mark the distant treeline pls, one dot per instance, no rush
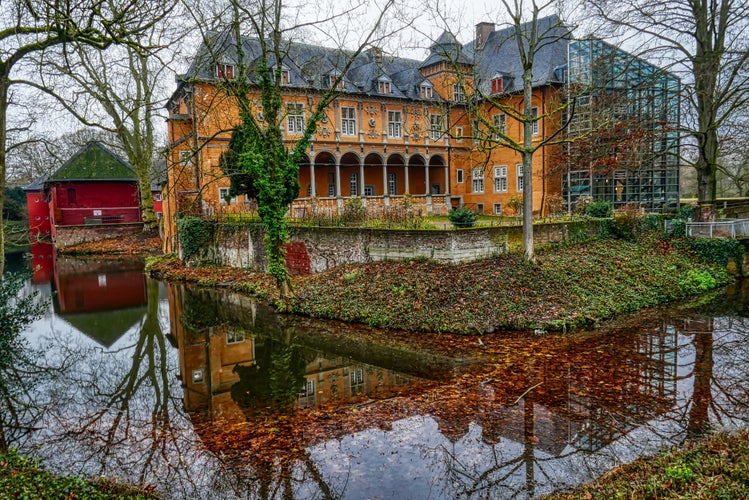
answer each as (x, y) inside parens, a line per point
(14, 207)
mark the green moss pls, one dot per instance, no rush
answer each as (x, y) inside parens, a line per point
(94, 162)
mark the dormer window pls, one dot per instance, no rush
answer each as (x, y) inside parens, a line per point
(497, 84)
(330, 82)
(383, 86)
(427, 92)
(225, 71)
(285, 77)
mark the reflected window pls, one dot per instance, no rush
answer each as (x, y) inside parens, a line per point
(234, 337)
(197, 376)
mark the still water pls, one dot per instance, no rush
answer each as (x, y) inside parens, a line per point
(205, 394)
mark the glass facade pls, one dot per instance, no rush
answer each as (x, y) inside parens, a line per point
(626, 116)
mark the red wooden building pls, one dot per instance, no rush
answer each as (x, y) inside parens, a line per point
(94, 187)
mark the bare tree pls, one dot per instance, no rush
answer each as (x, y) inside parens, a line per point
(120, 91)
(705, 43)
(31, 28)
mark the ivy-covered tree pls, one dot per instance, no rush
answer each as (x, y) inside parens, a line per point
(259, 161)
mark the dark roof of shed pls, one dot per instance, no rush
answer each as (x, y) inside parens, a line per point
(94, 161)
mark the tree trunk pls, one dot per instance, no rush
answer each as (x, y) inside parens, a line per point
(3, 170)
(528, 164)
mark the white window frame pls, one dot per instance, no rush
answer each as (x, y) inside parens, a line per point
(369, 190)
(436, 126)
(384, 87)
(458, 134)
(519, 168)
(477, 180)
(500, 179)
(427, 91)
(233, 337)
(500, 125)
(223, 192)
(348, 121)
(459, 176)
(497, 84)
(534, 113)
(354, 184)
(392, 184)
(395, 124)
(295, 119)
(497, 209)
(458, 94)
(285, 77)
(225, 71)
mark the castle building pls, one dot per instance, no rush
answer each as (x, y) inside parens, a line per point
(433, 133)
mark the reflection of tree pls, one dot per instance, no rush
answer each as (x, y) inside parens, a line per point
(17, 371)
(275, 379)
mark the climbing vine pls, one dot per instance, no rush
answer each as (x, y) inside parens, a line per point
(194, 234)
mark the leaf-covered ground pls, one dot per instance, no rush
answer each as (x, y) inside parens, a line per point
(136, 243)
(568, 286)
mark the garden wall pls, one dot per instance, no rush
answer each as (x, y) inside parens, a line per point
(72, 235)
(315, 249)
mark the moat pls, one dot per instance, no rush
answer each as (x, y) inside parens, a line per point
(203, 393)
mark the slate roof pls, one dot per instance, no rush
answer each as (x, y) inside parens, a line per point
(500, 54)
(309, 65)
(94, 161)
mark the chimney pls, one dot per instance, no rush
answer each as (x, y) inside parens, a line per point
(483, 30)
(376, 53)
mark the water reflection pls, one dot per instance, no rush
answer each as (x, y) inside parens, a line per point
(208, 394)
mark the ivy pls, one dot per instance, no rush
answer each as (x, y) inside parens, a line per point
(719, 251)
(194, 234)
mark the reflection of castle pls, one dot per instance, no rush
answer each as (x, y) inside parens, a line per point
(231, 362)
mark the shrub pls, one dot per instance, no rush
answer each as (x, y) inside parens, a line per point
(354, 211)
(598, 209)
(698, 281)
(581, 203)
(628, 223)
(514, 204)
(462, 217)
(554, 204)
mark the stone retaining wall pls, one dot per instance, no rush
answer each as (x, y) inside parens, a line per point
(72, 235)
(315, 249)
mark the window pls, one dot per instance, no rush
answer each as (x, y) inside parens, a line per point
(225, 71)
(427, 92)
(223, 196)
(156, 196)
(497, 84)
(369, 190)
(354, 184)
(500, 125)
(458, 134)
(534, 113)
(459, 175)
(285, 77)
(392, 184)
(348, 121)
(436, 124)
(500, 179)
(234, 337)
(308, 389)
(356, 376)
(295, 118)
(185, 157)
(331, 185)
(383, 87)
(497, 209)
(458, 94)
(480, 208)
(477, 179)
(197, 376)
(330, 82)
(520, 177)
(395, 124)
(435, 189)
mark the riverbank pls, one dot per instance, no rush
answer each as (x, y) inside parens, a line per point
(568, 286)
(716, 467)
